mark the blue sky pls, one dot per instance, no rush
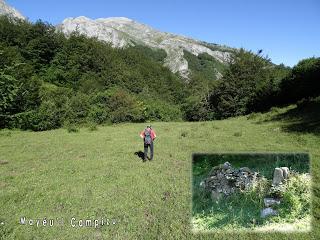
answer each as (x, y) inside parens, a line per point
(287, 31)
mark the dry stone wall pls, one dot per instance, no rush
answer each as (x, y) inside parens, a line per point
(224, 180)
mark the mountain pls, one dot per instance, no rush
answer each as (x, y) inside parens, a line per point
(122, 32)
(5, 9)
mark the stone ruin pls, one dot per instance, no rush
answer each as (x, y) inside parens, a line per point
(224, 180)
(280, 175)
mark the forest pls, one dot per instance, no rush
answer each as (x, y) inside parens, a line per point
(48, 81)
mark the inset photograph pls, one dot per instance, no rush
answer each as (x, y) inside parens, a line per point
(255, 192)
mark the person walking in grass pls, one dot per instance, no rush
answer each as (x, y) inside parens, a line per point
(148, 135)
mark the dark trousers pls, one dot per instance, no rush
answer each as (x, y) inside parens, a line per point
(146, 150)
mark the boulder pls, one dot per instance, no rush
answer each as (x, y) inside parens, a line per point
(285, 172)
(268, 212)
(226, 165)
(268, 202)
(277, 176)
(245, 169)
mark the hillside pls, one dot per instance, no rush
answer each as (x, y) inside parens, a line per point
(42, 67)
(122, 32)
(97, 174)
(50, 78)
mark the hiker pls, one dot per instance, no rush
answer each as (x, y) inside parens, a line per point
(148, 135)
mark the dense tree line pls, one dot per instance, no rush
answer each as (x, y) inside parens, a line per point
(303, 82)
(249, 84)
(252, 83)
(48, 80)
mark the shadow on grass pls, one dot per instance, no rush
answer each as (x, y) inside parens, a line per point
(140, 155)
(305, 118)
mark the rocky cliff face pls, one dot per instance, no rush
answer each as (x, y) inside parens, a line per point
(5, 9)
(121, 32)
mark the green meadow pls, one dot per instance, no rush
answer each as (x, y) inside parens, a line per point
(94, 174)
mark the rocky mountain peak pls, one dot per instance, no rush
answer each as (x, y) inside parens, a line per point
(5, 9)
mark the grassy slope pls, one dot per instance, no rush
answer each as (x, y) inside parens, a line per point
(96, 174)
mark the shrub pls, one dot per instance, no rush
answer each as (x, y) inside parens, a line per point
(237, 134)
(48, 116)
(24, 120)
(77, 108)
(303, 82)
(254, 116)
(249, 84)
(196, 109)
(184, 134)
(125, 107)
(97, 114)
(93, 127)
(9, 88)
(297, 197)
(162, 111)
(72, 128)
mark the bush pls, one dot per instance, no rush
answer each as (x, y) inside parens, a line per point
(196, 109)
(157, 110)
(77, 108)
(48, 117)
(249, 84)
(93, 127)
(296, 200)
(303, 82)
(125, 107)
(9, 88)
(24, 120)
(254, 116)
(99, 111)
(72, 128)
(97, 114)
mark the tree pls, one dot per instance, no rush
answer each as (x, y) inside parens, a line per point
(303, 82)
(247, 77)
(9, 88)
